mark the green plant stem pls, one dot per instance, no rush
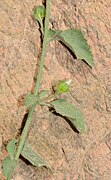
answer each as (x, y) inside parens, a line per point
(31, 110)
(43, 49)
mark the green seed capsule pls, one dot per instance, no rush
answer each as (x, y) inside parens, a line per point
(39, 13)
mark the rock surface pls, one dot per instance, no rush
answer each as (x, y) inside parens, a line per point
(71, 156)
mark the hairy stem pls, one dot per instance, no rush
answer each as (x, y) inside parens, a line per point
(43, 48)
(31, 110)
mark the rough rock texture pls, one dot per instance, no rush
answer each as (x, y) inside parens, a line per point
(70, 155)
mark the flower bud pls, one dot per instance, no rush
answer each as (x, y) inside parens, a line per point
(39, 13)
(62, 87)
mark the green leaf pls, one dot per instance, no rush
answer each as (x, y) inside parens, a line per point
(53, 35)
(8, 166)
(29, 100)
(43, 94)
(11, 147)
(32, 157)
(68, 110)
(75, 40)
